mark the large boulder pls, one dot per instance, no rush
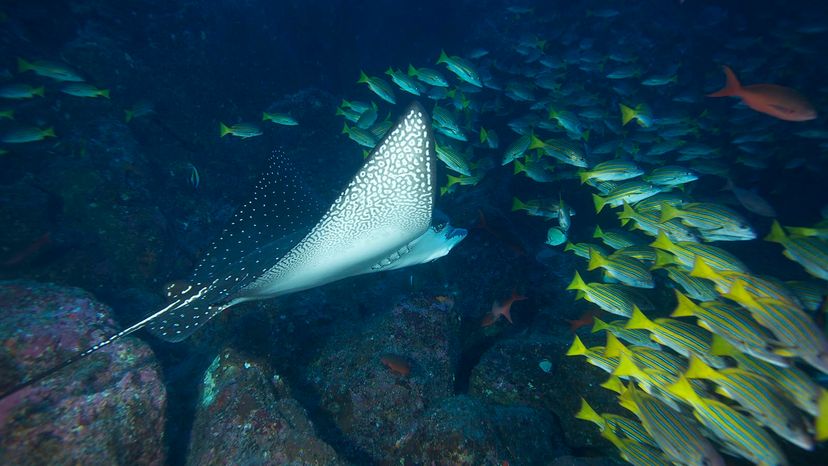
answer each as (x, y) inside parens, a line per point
(376, 381)
(464, 431)
(105, 409)
(246, 415)
(536, 372)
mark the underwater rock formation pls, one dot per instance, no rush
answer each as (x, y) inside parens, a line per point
(377, 383)
(464, 431)
(512, 373)
(246, 415)
(109, 409)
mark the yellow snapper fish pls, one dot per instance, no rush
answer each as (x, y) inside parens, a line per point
(140, 109)
(279, 118)
(797, 385)
(615, 299)
(84, 90)
(628, 427)
(461, 67)
(27, 134)
(54, 70)
(634, 452)
(681, 337)
(241, 130)
(677, 435)
(809, 252)
(792, 326)
(760, 397)
(734, 324)
(593, 355)
(20, 91)
(379, 87)
(739, 432)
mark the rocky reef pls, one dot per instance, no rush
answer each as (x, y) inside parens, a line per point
(107, 409)
(247, 415)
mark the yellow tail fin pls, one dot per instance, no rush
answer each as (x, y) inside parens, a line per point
(628, 396)
(519, 167)
(822, 417)
(599, 203)
(777, 234)
(443, 57)
(614, 383)
(738, 292)
(639, 321)
(596, 259)
(224, 130)
(627, 368)
(663, 242)
(614, 347)
(586, 413)
(598, 324)
(686, 307)
(663, 259)
(682, 389)
(577, 283)
(697, 369)
(627, 114)
(517, 204)
(577, 348)
(668, 212)
(537, 143)
(627, 212)
(702, 270)
(23, 65)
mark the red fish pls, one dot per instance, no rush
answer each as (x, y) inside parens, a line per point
(587, 318)
(397, 364)
(30, 250)
(777, 101)
(501, 308)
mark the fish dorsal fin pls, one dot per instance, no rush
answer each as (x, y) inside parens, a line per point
(385, 206)
(257, 236)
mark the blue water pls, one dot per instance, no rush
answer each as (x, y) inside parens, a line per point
(112, 206)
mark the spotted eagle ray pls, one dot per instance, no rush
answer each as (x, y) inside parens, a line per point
(381, 221)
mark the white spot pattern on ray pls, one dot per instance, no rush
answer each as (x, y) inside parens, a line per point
(277, 208)
(386, 205)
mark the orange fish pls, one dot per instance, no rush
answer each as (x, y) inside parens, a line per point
(777, 101)
(31, 250)
(587, 318)
(503, 308)
(397, 364)
(488, 319)
(446, 300)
